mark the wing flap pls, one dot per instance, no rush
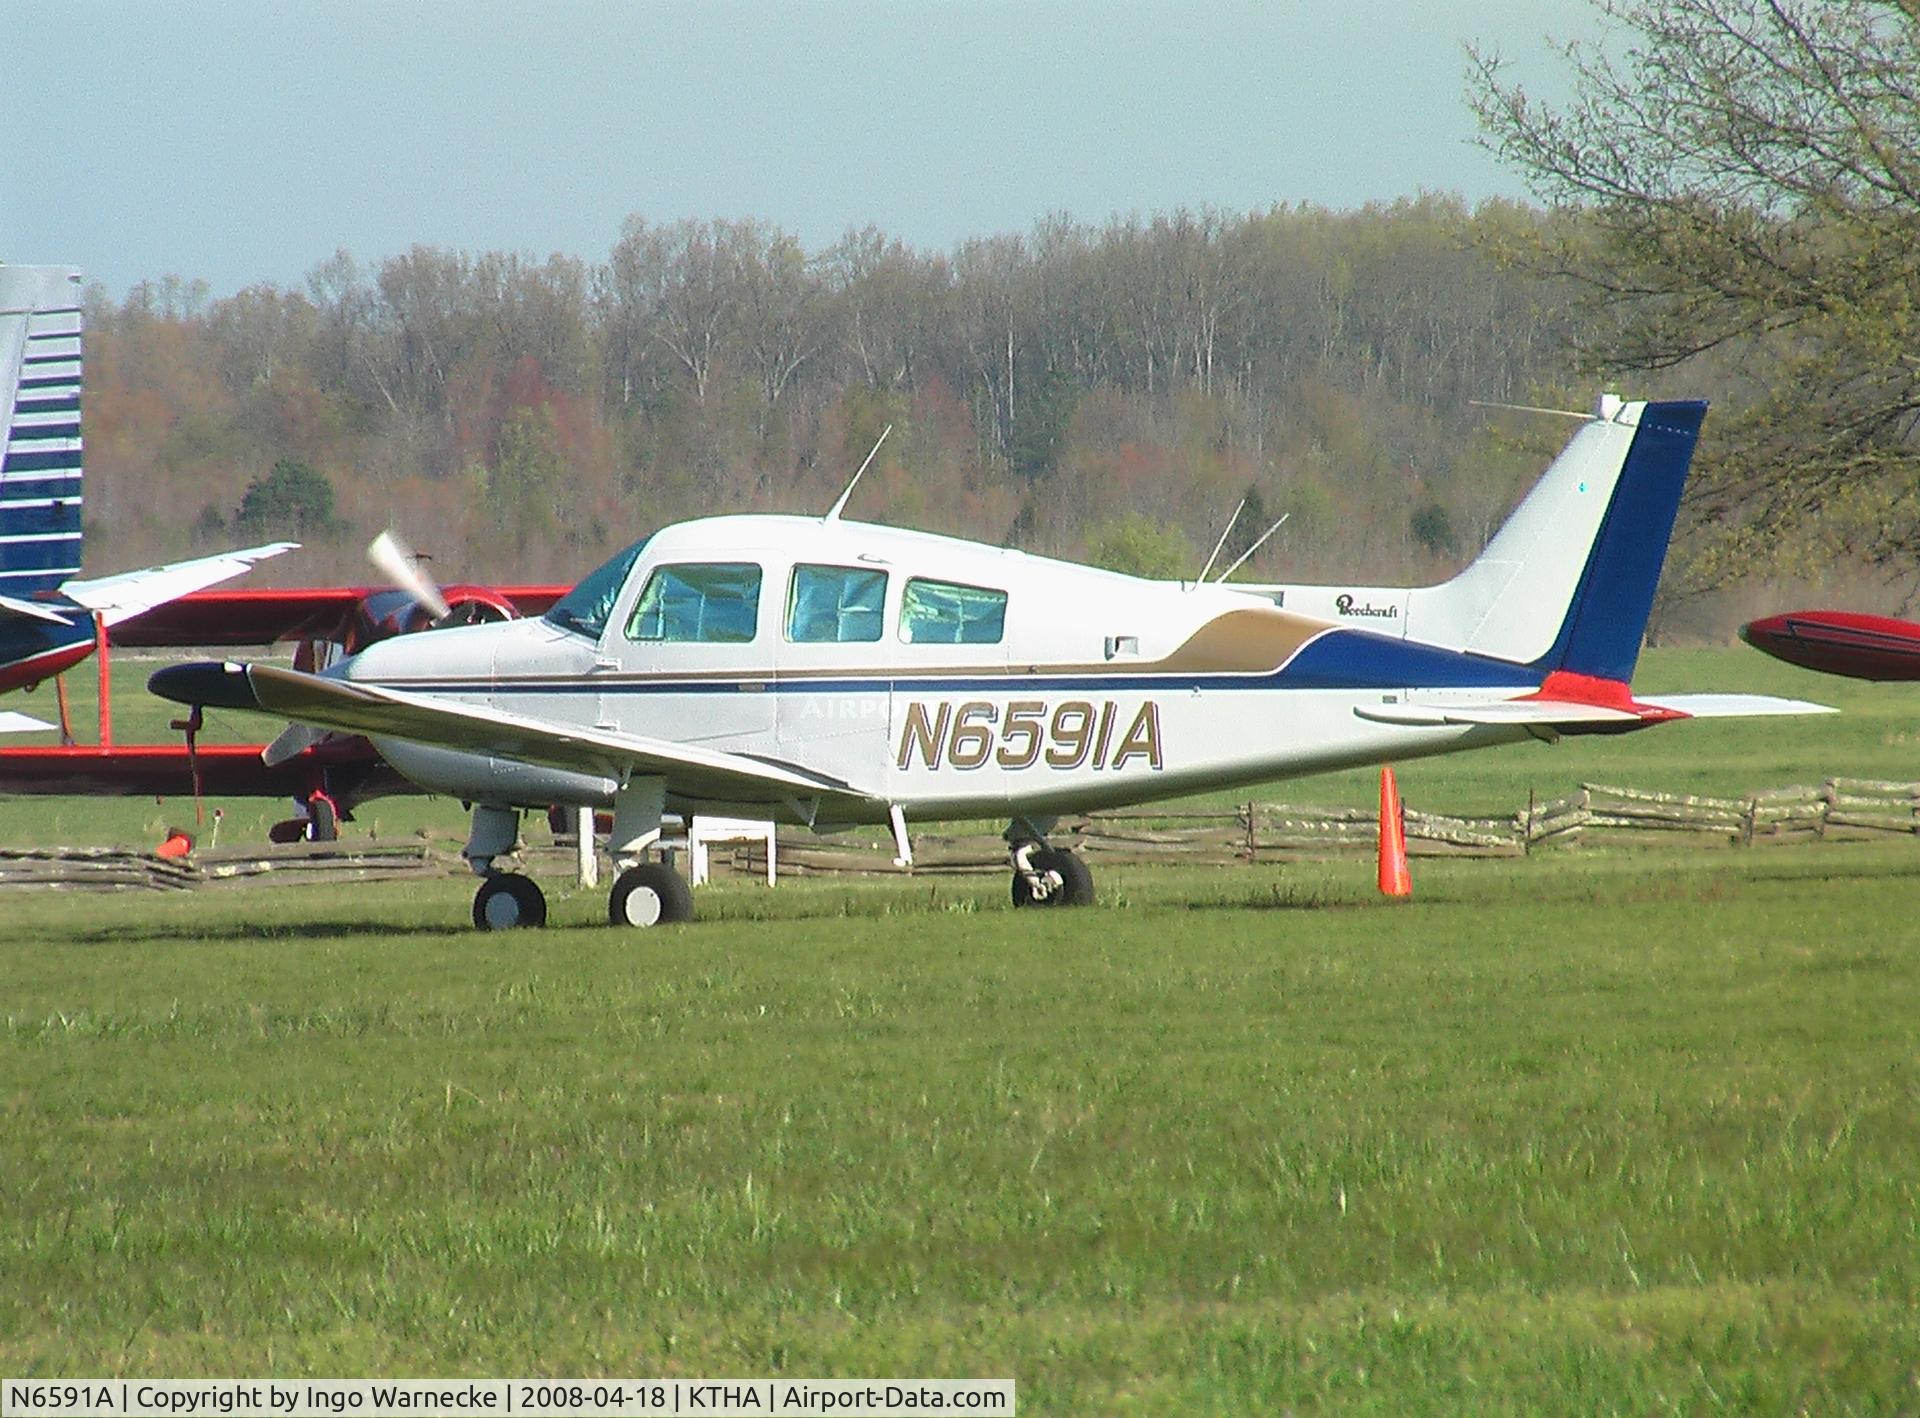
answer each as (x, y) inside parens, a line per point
(381, 712)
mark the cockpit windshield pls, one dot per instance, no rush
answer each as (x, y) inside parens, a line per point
(584, 609)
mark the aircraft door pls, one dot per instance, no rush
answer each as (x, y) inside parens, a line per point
(832, 653)
(692, 661)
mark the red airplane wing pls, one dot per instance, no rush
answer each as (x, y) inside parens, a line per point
(1873, 647)
(163, 770)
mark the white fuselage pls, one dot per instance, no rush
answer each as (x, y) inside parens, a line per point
(1093, 690)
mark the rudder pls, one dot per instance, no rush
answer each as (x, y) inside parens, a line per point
(40, 460)
(1607, 618)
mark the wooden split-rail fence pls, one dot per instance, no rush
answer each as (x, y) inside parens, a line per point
(114, 869)
(1250, 832)
(1261, 832)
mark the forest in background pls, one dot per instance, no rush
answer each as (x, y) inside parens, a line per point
(1103, 391)
(1729, 209)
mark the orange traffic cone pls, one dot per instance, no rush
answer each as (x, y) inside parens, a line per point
(1394, 880)
(178, 844)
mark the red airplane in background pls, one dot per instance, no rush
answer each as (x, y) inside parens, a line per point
(327, 774)
(1875, 647)
(51, 619)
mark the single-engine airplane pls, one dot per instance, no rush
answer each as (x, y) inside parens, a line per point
(1876, 647)
(819, 671)
(49, 619)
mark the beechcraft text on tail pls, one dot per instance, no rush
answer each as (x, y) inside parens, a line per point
(819, 671)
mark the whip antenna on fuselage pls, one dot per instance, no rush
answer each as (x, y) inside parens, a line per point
(1241, 559)
(1225, 532)
(833, 513)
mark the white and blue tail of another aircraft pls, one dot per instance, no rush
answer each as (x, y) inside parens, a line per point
(40, 462)
(47, 616)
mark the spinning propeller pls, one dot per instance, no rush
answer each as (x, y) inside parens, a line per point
(400, 565)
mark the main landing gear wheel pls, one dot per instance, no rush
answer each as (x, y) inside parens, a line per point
(1058, 878)
(651, 894)
(507, 901)
(323, 819)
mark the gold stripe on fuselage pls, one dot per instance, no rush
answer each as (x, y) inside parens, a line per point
(1254, 640)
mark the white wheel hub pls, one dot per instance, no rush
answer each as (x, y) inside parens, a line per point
(643, 906)
(502, 911)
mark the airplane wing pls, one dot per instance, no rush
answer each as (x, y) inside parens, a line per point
(264, 616)
(381, 712)
(1876, 647)
(133, 593)
(12, 722)
(144, 770)
(1576, 716)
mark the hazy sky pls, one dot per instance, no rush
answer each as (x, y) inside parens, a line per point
(241, 142)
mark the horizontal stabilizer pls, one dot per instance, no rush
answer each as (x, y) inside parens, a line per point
(1511, 713)
(1575, 715)
(32, 610)
(16, 723)
(1739, 706)
(132, 593)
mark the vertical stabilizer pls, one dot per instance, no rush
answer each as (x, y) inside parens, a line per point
(40, 417)
(1568, 581)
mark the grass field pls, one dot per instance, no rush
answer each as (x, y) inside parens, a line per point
(1603, 1132)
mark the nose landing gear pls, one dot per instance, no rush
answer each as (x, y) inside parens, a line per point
(507, 900)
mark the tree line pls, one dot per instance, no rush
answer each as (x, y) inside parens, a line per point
(1112, 389)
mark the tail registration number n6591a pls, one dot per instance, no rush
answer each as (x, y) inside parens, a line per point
(1029, 733)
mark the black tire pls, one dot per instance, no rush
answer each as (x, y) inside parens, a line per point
(1076, 880)
(651, 894)
(323, 822)
(508, 901)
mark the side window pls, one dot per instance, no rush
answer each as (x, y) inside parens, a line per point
(941, 613)
(835, 604)
(712, 603)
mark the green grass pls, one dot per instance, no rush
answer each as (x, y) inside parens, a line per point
(1617, 1133)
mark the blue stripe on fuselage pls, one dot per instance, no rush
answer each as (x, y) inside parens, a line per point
(1339, 659)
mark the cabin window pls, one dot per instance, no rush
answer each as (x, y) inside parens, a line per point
(587, 606)
(717, 602)
(942, 613)
(835, 604)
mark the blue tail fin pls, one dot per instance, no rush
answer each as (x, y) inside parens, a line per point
(1608, 616)
(40, 422)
